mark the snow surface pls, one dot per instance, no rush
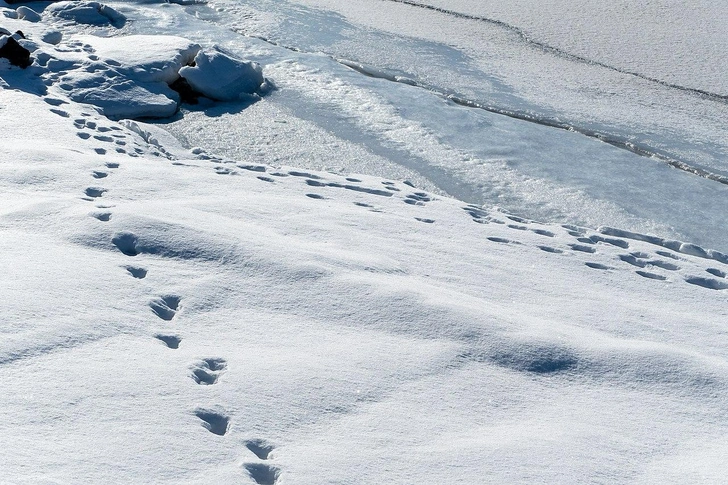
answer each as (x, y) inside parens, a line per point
(346, 280)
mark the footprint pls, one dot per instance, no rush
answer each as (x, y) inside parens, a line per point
(112, 165)
(426, 221)
(543, 232)
(362, 204)
(518, 228)
(315, 196)
(597, 266)
(549, 249)
(100, 151)
(262, 473)
(352, 179)
(97, 174)
(215, 421)
(54, 102)
(172, 341)
(668, 255)
(102, 216)
(83, 136)
(60, 112)
(709, 283)
(126, 242)
(95, 191)
(500, 240)
(138, 273)
(165, 307)
(583, 249)
(266, 179)
(716, 272)
(261, 448)
(207, 371)
(652, 276)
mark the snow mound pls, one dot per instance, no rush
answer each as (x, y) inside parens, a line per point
(27, 13)
(221, 77)
(90, 13)
(131, 75)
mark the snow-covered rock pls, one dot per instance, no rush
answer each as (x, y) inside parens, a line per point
(91, 13)
(130, 76)
(15, 53)
(27, 13)
(221, 77)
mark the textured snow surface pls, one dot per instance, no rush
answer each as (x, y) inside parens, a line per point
(343, 280)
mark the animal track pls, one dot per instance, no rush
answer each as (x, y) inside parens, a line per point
(165, 307)
(716, 272)
(102, 216)
(95, 192)
(315, 196)
(97, 174)
(426, 221)
(172, 341)
(215, 421)
(112, 165)
(597, 266)
(138, 273)
(583, 249)
(501, 240)
(207, 371)
(417, 198)
(549, 249)
(651, 276)
(262, 449)
(126, 242)
(262, 474)
(709, 283)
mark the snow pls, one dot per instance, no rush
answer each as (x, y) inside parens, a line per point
(221, 77)
(91, 13)
(346, 279)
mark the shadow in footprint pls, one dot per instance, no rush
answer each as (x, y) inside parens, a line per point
(262, 474)
(651, 276)
(95, 191)
(214, 421)
(207, 371)
(165, 307)
(126, 242)
(597, 266)
(171, 341)
(102, 216)
(262, 449)
(709, 283)
(138, 273)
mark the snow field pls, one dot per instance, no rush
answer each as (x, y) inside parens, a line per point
(179, 313)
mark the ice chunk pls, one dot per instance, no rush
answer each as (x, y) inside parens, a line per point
(91, 13)
(221, 77)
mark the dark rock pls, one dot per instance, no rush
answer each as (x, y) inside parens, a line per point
(15, 53)
(186, 92)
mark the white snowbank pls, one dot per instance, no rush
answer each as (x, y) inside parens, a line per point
(221, 77)
(91, 13)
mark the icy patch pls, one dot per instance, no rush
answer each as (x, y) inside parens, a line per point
(221, 77)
